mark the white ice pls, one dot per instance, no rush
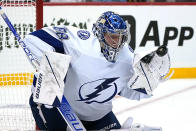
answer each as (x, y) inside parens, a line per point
(171, 107)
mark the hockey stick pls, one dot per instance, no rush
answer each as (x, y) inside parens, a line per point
(65, 109)
(28, 53)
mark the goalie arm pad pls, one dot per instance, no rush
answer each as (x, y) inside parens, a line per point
(148, 73)
(50, 78)
(37, 46)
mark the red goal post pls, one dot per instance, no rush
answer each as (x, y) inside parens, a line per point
(38, 4)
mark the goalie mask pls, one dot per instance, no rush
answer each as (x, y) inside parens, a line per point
(111, 31)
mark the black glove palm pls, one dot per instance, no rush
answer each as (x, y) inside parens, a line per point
(161, 51)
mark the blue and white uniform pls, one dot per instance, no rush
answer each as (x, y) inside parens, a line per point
(91, 81)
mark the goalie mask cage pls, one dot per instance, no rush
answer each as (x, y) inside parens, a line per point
(16, 73)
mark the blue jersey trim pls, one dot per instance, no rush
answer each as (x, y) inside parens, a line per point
(34, 81)
(49, 39)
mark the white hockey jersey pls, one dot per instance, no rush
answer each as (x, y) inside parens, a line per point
(91, 81)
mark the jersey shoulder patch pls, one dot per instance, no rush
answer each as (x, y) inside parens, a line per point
(83, 34)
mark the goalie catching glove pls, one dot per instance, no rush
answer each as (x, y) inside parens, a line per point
(50, 79)
(150, 68)
(161, 51)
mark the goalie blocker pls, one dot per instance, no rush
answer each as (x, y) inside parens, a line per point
(150, 68)
(50, 78)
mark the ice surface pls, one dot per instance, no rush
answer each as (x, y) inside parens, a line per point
(172, 106)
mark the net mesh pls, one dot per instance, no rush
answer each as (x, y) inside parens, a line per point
(16, 73)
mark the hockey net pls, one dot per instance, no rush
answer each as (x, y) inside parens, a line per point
(16, 73)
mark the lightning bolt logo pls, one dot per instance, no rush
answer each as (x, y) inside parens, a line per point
(105, 83)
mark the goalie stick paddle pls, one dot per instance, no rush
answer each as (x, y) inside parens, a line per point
(65, 109)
